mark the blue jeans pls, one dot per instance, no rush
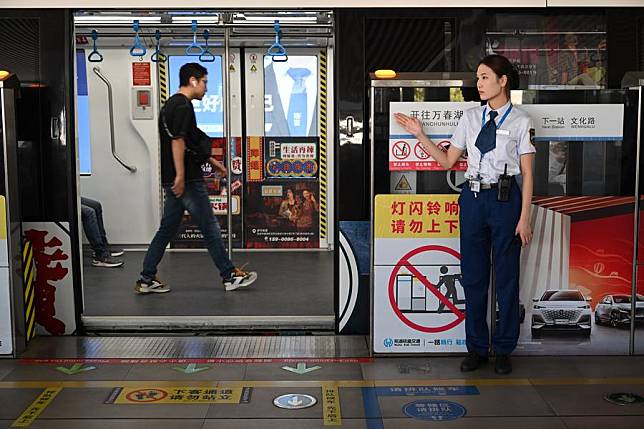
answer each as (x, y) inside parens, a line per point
(195, 200)
(488, 225)
(92, 219)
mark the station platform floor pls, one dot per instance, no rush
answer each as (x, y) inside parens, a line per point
(232, 382)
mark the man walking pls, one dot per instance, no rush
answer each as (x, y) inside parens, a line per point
(184, 186)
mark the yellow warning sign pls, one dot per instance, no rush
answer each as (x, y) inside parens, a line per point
(179, 395)
(253, 68)
(331, 406)
(416, 216)
(403, 184)
(231, 67)
(38, 406)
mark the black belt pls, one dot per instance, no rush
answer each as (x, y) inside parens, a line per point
(486, 185)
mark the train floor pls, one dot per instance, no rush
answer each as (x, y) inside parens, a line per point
(289, 284)
(304, 382)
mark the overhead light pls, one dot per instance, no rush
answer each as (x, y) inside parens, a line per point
(305, 17)
(200, 19)
(120, 19)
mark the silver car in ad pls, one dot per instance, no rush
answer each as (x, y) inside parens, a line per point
(615, 310)
(561, 310)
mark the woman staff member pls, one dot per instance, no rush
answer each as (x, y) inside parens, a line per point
(495, 211)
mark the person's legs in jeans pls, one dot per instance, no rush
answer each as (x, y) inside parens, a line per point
(98, 210)
(195, 199)
(91, 227)
(172, 216)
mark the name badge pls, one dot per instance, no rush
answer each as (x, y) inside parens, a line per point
(503, 132)
(475, 186)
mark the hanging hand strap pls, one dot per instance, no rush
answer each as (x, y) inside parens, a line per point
(206, 56)
(137, 49)
(277, 52)
(94, 56)
(194, 48)
(157, 56)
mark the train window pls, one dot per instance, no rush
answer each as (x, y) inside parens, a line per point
(209, 111)
(290, 96)
(82, 112)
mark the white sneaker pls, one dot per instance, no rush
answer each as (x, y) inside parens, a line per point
(106, 262)
(154, 286)
(239, 278)
(116, 253)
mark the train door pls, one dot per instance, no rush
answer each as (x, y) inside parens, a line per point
(280, 150)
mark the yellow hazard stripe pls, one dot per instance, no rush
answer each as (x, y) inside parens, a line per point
(331, 405)
(163, 81)
(323, 146)
(32, 412)
(28, 276)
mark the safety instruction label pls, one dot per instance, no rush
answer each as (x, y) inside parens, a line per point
(177, 395)
(38, 406)
(141, 74)
(331, 406)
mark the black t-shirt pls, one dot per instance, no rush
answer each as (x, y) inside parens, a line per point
(181, 121)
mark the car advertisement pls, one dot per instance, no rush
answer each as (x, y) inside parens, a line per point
(576, 277)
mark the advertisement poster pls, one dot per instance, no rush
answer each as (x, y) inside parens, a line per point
(291, 96)
(419, 303)
(189, 235)
(54, 284)
(439, 122)
(209, 111)
(553, 53)
(576, 277)
(283, 214)
(291, 157)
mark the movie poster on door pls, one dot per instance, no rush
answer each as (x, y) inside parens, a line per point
(283, 214)
(419, 302)
(189, 236)
(439, 121)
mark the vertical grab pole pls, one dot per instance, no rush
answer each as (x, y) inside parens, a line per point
(636, 223)
(227, 114)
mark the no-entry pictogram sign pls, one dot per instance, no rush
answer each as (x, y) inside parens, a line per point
(401, 150)
(420, 151)
(459, 316)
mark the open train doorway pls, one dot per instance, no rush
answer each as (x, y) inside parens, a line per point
(267, 117)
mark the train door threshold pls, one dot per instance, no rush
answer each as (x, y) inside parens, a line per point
(207, 323)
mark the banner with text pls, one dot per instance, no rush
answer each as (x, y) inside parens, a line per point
(439, 121)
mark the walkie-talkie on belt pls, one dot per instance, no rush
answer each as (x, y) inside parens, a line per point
(505, 184)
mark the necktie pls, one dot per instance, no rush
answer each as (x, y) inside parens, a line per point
(486, 140)
(296, 116)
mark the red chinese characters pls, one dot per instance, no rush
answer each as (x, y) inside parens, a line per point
(45, 292)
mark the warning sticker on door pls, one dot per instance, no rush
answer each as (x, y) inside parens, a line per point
(419, 301)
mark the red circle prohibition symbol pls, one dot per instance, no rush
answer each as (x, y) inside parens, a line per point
(132, 395)
(420, 151)
(401, 150)
(444, 145)
(404, 261)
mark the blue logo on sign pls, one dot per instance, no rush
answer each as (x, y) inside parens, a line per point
(434, 410)
(389, 342)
